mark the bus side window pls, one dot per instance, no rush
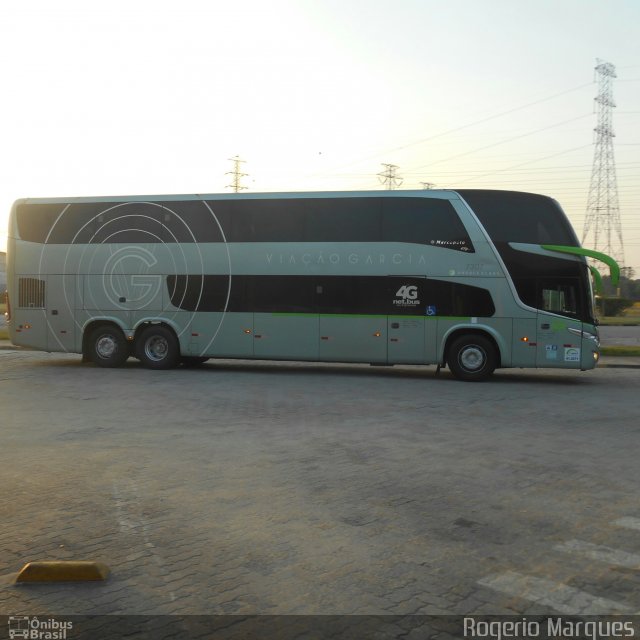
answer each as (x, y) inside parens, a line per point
(558, 297)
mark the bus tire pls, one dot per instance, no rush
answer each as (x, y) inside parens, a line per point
(158, 347)
(472, 358)
(107, 346)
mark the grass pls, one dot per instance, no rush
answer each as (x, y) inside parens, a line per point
(630, 316)
(633, 352)
(616, 321)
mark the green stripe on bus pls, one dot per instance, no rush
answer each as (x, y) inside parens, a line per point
(371, 315)
(597, 279)
(614, 268)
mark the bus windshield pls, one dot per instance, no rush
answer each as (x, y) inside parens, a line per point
(552, 284)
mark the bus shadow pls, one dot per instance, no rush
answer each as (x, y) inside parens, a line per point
(297, 368)
(417, 372)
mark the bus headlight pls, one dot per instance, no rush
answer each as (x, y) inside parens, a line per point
(591, 336)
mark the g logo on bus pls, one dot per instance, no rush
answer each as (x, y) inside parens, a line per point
(124, 277)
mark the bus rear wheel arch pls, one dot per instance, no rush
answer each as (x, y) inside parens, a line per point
(157, 347)
(106, 345)
(472, 357)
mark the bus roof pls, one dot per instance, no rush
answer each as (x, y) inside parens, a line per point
(448, 194)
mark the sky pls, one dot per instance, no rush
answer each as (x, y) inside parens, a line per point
(154, 97)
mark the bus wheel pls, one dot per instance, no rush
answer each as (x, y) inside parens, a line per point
(472, 358)
(107, 346)
(158, 348)
(193, 361)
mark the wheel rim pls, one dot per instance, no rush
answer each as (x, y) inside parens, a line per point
(156, 348)
(106, 346)
(472, 358)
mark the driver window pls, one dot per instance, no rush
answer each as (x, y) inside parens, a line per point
(559, 298)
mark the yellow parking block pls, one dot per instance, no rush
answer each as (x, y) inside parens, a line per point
(63, 571)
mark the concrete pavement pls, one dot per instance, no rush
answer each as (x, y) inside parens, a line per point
(286, 488)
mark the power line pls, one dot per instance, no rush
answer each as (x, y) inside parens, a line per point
(575, 168)
(522, 164)
(495, 144)
(465, 126)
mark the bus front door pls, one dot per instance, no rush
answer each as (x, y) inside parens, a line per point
(556, 345)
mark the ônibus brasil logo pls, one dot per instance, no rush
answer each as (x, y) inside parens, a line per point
(33, 628)
(407, 296)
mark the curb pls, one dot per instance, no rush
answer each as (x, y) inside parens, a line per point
(615, 365)
(619, 325)
(7, 346)
(63, 571)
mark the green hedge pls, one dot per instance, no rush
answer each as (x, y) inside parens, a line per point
(613, 306)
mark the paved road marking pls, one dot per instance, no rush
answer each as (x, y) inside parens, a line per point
(614, 557)
(629, 523)
(555, 595)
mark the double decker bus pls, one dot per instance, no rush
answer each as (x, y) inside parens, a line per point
(470, 279)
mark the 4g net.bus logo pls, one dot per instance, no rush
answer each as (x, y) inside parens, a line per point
(407, 296)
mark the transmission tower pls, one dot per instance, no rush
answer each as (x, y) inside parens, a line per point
(427, 186)
(602, 223)
(389, 176)
(237, 175)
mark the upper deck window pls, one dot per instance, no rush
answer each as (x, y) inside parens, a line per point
(413, 220)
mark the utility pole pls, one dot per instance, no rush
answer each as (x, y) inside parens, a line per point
(237, 175)
(389, 176)
(602, 226)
